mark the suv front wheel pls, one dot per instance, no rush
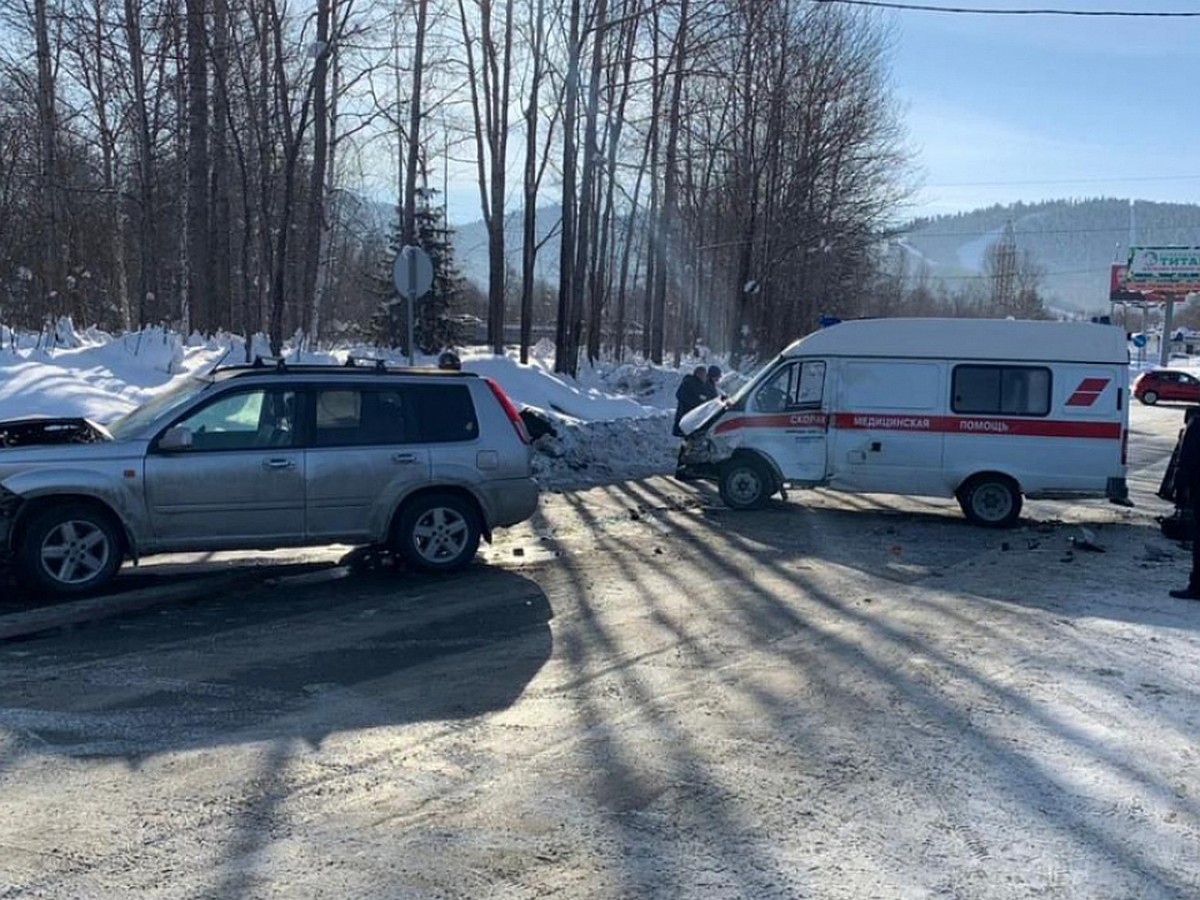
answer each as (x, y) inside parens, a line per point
(438, 533)
(70, 549)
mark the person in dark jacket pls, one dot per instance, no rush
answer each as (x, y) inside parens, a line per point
(713, 379)
(1187, 479)
(692, 391)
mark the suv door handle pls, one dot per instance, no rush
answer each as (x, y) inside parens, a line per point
(404, 459)
(278, 464)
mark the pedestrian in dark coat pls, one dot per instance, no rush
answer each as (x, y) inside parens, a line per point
(712, 380)
(1187, 479)
(691, 393)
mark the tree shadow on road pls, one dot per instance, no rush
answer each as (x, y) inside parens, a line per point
(909, 699)
(304, 658)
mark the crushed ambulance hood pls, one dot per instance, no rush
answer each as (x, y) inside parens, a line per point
(702, 415)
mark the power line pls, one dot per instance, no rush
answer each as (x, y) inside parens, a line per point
(992, 11)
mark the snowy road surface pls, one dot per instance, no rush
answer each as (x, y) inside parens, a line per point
(640, 694)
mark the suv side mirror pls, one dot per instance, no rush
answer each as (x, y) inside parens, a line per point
(177, 437)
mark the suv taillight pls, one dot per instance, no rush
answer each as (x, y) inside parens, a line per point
(509, 410)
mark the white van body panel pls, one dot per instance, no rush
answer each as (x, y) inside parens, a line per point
(920, 406)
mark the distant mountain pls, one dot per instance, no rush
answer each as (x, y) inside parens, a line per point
(1074, 241)
(471, 246)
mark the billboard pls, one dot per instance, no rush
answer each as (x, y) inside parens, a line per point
(1121, 291)
(1171, 270)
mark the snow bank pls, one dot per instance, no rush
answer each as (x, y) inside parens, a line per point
(91, 374)
(590, 453)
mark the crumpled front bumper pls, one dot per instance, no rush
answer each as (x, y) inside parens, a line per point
(698, 459)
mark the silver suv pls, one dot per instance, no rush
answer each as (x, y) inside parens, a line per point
(265, 456)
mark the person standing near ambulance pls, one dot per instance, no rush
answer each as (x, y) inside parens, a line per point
(1187, 480)
(713, 381)
(692, 391)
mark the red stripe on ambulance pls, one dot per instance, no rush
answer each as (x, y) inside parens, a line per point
(784, 420)
(977, 425)
(1006, 427)
(1088, 392)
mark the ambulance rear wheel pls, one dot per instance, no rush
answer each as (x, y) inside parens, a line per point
(993, 501)
(746, 483)
(1150, 398)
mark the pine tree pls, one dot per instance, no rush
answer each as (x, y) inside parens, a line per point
(436, 326)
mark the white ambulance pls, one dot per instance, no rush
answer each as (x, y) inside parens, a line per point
(984, 410)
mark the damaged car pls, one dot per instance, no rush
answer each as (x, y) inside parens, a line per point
(422, 462)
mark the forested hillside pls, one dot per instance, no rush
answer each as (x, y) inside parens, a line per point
(1074, 241)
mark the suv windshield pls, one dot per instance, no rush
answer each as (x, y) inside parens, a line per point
(131, 423)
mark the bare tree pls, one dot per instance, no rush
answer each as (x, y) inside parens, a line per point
(566, 342)
(534, 168)
(409, 199)
(199, 257)
(666, 228)
(490, 82)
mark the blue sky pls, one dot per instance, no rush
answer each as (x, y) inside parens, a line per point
(1001, 109)
(1008, 108)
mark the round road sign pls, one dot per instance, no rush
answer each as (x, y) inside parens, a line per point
(412, 272)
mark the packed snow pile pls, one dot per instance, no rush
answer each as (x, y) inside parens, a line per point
(65, 372)
(611, 423)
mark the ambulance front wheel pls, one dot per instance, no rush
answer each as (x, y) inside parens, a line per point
(993, 501)
(746, 483)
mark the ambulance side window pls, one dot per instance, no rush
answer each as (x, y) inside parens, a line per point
(795, 386)
(1002, 390)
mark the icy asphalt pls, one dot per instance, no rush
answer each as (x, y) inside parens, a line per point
(640, 694)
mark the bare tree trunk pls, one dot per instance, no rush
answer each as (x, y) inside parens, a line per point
(325, 260)
(532, 176)
(223, 312)
(181, 153)
(490, 87)
(566, 282)
(408, 234)
(498, 139)
(627, 252)
(293, 136)
(147, 236)
(316, 224)
(604, 265)
(667, 237)
(199, 258)
(587, 192)
(52, 251)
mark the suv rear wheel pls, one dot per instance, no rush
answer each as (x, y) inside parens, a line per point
(70, 549)
(438, 533)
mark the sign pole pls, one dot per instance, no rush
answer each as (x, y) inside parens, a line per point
(1164, 352)
(412, 274)
(412, 302)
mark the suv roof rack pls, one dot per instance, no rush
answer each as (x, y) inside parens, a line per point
(354, 362)
(260, 362)
(271, 366)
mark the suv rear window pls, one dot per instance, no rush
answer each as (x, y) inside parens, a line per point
(404, 414)
(445, 411)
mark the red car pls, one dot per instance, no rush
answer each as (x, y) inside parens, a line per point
(1167, 384)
